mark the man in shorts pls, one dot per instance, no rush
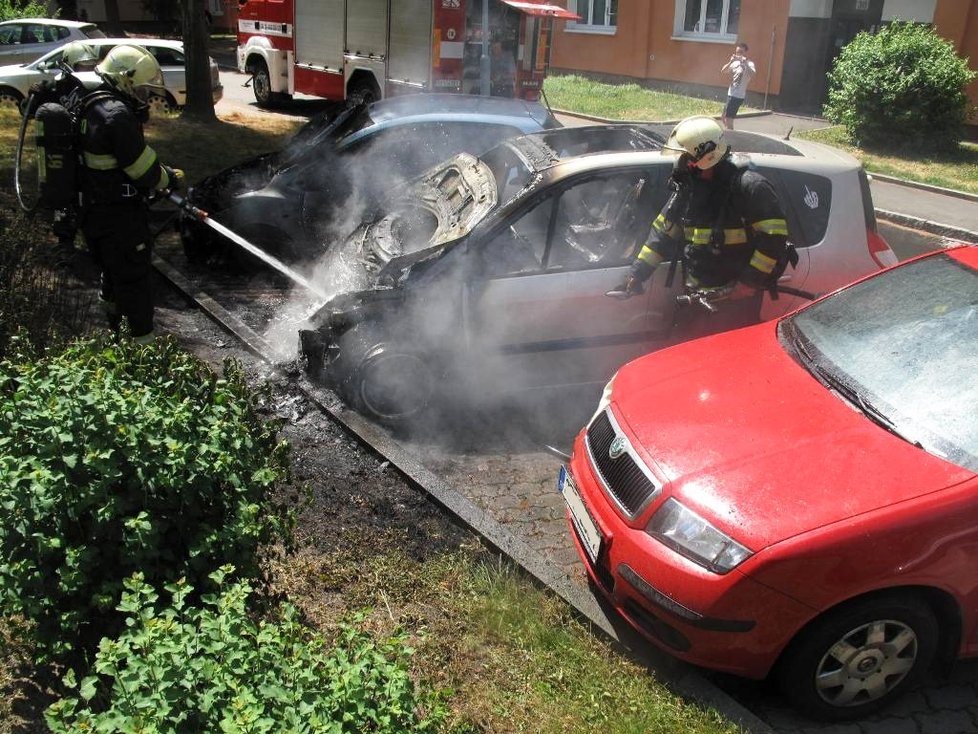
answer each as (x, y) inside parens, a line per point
(741, 70)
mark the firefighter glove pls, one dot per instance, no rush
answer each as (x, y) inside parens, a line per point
(177, 178)
(631, 287)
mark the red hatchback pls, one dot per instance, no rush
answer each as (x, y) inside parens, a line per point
(800, 495)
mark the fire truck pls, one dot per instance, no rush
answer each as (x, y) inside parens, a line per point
(377, 48)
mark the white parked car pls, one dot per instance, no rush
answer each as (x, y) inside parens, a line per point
(16, 80)
(26, 39)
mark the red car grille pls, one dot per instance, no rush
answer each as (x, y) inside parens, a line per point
(624, 479)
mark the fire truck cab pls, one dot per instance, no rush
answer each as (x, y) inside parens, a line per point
(378, 48)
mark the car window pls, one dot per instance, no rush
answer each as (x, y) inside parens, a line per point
(9, 34)
(167, 56)
(60, 33)
(36, 33)
(602, 219)
(519, 247)
(807, 202)
(907, 343)
(91, 31)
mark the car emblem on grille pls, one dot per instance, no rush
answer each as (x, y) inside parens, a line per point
(617, 448)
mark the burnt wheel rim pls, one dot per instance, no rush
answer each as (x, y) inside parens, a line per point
(866, 663)
(395, 386)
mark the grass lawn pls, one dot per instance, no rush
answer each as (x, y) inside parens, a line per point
(953, 171)
(624, 101)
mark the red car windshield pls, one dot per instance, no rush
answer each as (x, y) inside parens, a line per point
(903, 348)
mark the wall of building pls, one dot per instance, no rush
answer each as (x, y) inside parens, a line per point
(645, 47)
(957, 21)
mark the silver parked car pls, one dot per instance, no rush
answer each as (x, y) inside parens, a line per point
(26, 39)
(492, 272)
(16, 80)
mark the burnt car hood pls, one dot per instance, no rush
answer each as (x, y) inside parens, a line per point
(425, 218)
(318, 137)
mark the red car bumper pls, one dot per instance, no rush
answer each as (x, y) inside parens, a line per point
(724, 622)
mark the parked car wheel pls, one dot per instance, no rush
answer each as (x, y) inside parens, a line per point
(860, 657)
(389, 380)
(161, 104)
(10, 96)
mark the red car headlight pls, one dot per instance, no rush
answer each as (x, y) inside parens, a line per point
(689, 534)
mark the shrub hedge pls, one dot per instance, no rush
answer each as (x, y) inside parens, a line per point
(900, 88)
(117, 458)
(182, 668)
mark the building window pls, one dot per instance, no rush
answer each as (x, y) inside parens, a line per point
(707, 18)
(599, 16)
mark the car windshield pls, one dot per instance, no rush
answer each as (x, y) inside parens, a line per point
(903, 348)
(511, 171)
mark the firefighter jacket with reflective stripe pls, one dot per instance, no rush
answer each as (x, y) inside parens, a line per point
(117, 165)
(729, 225)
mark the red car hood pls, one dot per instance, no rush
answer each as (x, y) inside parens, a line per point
(751, 441)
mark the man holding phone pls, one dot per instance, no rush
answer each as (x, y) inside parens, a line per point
(741, 70)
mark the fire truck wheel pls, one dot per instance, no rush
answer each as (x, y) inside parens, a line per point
(261, 83)
(364, 88)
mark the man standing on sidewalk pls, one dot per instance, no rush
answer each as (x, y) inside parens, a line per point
(741, 70)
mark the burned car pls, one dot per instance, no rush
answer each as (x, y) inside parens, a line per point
(290, 202)
(490, 272)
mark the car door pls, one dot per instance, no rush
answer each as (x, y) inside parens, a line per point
(11, 50)
(28, 41)
(539, 294)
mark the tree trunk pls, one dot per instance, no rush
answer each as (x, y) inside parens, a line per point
(113, 26)
(196, 35)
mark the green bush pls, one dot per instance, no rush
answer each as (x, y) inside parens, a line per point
(118, 458)
(13, 9)
(214, 669)
(902, 88)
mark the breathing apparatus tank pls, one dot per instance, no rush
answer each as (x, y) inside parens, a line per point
(57, 159)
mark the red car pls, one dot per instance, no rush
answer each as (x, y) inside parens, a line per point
(799, 496)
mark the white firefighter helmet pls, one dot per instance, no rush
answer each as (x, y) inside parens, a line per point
(132, 70)
(701, 138)
(78, 56)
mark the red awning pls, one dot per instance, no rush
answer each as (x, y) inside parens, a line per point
(545, 9)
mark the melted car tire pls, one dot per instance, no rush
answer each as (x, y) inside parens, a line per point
(882, 646)
(394, 385)
(386, 379)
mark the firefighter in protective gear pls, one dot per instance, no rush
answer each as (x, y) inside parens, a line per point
(119, 173)
(722, 220)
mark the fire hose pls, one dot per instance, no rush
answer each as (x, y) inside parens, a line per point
(707, 297)
(204, 218)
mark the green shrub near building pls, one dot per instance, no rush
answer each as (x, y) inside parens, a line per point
(901, 88)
